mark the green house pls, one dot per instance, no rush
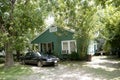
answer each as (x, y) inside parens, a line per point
(56, 41)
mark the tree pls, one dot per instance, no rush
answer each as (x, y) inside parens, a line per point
(110, 21)
(20, 21)
(88, 18)
(6, 28)
(75, 15)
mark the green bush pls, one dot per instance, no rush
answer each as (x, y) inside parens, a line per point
(65, 57)
(74, 56)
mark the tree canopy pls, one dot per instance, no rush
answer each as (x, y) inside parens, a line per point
(20, 21)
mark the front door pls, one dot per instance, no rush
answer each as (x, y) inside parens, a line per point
(47, 47)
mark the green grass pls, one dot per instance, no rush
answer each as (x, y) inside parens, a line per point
(13, 73)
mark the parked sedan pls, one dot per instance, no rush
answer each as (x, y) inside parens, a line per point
(39, 58)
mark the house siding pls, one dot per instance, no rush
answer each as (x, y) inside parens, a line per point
(56, 38)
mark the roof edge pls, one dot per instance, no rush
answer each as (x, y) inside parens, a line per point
(40, 34)
(47, 29)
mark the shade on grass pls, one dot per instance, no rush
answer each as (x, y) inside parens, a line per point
(13, 73)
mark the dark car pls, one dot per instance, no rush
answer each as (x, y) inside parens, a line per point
(39, 58)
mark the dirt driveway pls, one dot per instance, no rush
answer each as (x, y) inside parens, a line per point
(100, 68)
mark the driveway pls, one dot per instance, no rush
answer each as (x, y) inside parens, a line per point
(100, 68)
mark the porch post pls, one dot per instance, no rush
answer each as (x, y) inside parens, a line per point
(47, 47)
(39, 47)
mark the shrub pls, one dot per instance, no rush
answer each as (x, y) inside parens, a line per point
(74, 56)
(65, 57)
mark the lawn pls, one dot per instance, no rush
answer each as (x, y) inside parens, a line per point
(100, 68)
(13, 73)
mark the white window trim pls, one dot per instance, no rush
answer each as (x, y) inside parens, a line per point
(68, 41)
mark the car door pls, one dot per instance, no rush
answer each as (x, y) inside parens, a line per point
(34, 58)
(28, 57)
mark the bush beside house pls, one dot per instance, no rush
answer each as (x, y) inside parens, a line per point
(73, 56)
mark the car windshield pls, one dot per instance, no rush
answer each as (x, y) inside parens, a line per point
(44, 54)
(38, 53)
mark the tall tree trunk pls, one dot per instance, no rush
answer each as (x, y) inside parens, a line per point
(9, 62)
(83, 47)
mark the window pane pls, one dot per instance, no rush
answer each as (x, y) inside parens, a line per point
(65, 45)
(72, 46)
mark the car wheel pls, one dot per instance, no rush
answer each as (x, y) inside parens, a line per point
(39, 64)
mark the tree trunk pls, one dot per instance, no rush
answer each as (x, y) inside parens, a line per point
(83, 47)
(9, 62)
(18, 55)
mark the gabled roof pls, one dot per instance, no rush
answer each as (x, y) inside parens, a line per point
(44, 38)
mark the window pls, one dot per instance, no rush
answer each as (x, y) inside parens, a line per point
(53, 29)
(72, 46)
(69, 46)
